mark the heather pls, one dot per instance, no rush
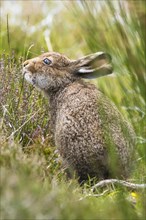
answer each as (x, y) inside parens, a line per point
(33, 183)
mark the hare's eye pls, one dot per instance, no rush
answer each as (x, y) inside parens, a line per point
(47, 61)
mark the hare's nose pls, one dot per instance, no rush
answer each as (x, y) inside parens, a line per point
(25, 63)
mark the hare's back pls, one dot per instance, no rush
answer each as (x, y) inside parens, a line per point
(87, 124)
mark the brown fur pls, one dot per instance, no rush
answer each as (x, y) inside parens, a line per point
(92, 136)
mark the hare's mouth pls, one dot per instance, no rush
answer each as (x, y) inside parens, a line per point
(29, 77)
(25, 71)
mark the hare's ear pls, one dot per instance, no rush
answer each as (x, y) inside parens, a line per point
(93, 66)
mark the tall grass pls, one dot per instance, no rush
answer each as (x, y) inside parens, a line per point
(33, 182)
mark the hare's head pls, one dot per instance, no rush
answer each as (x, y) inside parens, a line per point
(53, 70)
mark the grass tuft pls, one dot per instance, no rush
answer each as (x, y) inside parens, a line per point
(33, 181)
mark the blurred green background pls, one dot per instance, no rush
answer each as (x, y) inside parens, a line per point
(33, 184)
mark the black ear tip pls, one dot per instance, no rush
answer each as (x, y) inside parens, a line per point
(111, 69)
(104, 55)
(109, 56)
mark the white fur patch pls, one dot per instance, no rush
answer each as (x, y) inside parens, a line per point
(28, 76)
(42, 82)
(85, 70)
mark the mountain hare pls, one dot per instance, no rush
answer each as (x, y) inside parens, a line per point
(91, 135)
